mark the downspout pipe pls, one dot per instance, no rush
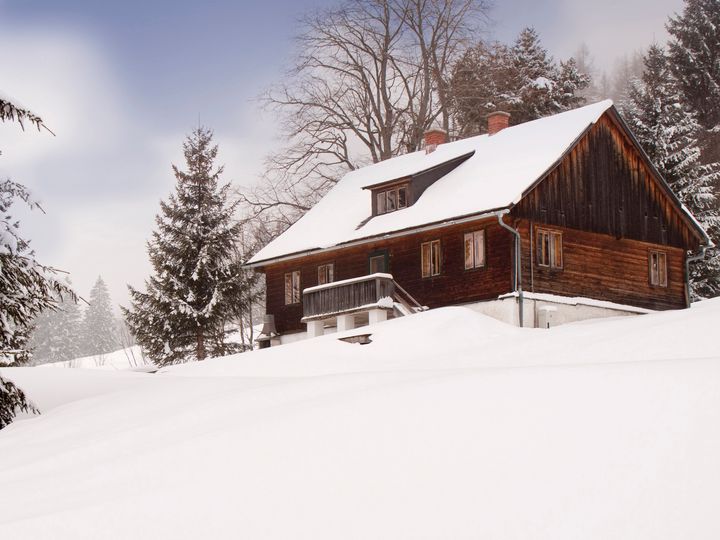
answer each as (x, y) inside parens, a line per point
(693, 258)
(518, 266)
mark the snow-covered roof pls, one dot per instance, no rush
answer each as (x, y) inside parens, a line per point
(502, 167)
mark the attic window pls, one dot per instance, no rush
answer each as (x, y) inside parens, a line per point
(389, 200)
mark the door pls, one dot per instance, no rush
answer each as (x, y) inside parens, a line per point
(378, 262)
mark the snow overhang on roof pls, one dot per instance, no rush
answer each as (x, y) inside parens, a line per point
(500, 169)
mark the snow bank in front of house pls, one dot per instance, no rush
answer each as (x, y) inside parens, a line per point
(503, 166)
(448, 425)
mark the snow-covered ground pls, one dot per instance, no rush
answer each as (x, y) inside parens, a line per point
(448, 425)
(127, 358)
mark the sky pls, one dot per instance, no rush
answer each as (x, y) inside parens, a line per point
(122, 83)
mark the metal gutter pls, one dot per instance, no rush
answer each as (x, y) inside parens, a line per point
(517, 274)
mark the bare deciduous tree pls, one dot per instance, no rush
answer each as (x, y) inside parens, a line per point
(369, 78)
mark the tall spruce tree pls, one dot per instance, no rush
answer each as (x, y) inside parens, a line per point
(694, 51)
(56, 335)
(668, 130)
(26, 286)
(695, 57)
(523, 80)
(99, 332)
(190, 296)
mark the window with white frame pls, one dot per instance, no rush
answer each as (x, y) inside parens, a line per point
(658, 269)
(392, 199)
(474, 250)
(430, 256)
(292, 287)
(549, 248)
(326, 273)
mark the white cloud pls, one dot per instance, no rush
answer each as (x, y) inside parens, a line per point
(101, 178)
(84, 176)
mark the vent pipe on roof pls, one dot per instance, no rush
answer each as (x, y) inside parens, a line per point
(433, 138)
(497, 121)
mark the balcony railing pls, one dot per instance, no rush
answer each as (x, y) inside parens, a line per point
(348, 296)
(374, 291)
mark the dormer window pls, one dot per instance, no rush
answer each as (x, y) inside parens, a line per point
(402, 192)
(389, 200)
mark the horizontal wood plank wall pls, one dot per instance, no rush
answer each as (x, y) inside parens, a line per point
(603, 185)
(454, 285)
(603, 267)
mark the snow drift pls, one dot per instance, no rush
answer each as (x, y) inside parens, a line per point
(448, 425)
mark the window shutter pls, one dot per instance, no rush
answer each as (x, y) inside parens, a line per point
(425, 259)
(435, 246)
(469, 251)
(288, 289)
(479, 245)
(557, 261)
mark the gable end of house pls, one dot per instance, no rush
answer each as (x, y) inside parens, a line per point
(605, 183)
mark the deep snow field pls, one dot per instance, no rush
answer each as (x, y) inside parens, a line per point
(448, 425)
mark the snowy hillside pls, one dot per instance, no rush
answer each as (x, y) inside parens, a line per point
(127, 358)
(448, 425)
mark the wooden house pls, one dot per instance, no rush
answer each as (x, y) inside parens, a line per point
(558, 219)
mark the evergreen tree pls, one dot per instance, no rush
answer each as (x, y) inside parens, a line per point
(483, 80)
(585, 66)
(26, 286)
(522, 80)
(56, 334)
(695, 61)
(99, 332)
(695, 58)
(667, 130)
(190, 296)
(537, 77)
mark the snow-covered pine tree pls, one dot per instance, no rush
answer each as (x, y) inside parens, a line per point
(99, 327)
(522, 80)
(56, 334)
(545, 88)
(26, 286)
(667, 129)
(694, 52)
(189, 298)
(482, 81)
(585, 66)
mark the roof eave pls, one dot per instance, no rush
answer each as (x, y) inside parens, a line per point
(484, 214)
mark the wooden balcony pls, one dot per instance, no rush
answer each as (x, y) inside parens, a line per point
(374, 291)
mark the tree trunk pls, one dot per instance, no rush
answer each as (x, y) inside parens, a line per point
(200, 349)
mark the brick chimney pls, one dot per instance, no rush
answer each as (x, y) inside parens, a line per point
(497, 121)
(434, 137)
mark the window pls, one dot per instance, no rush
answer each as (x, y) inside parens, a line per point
(549, 248)
(658, 269)
(474, 250)
(378, 262)
(430, 258)
(392, 199)
(325, 273)
(292, 287)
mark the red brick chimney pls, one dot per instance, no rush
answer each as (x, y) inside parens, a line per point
(434, 137)
(497, 121)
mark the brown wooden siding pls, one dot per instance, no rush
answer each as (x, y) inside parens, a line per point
(602, 196)
(454, 285)
(603, 267)
(603, 185)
